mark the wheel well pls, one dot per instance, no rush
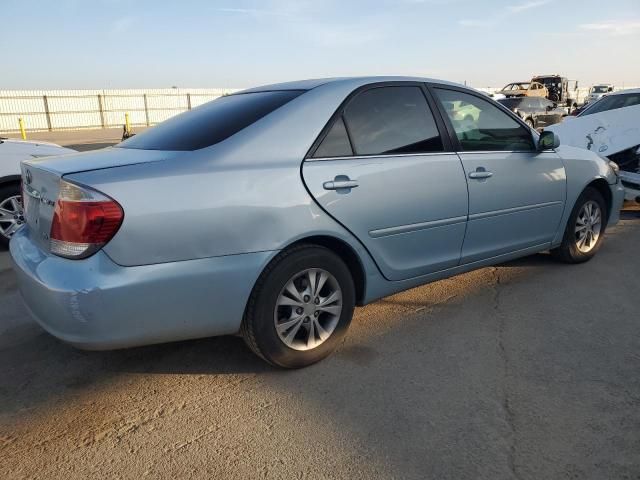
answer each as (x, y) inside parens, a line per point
(603, 187)
(347, 254)
(9, 180)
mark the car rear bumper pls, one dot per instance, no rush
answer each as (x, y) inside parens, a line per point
(96, 304)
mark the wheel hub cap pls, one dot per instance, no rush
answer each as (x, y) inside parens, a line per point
(308, 309)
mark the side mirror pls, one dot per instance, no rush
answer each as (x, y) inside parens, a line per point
(548, 141)
(550, 107)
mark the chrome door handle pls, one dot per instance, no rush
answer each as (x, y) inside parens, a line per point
(480, 173)
(340, 184)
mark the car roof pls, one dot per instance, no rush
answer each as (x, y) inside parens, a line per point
(355, 81)
(622, 92)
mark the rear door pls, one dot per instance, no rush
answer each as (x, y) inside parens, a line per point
(383, 169)
(516, 193)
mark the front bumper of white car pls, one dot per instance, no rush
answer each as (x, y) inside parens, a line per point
(631, 183)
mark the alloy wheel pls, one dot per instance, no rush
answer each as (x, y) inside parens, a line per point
(308, 309)
(588, 226)
(11, 215)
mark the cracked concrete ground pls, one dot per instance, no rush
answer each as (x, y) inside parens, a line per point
(529, 370)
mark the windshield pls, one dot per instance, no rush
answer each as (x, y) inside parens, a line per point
(600, 89)
(517, 86)
(612, 102)
(548, 81)
(210, 123)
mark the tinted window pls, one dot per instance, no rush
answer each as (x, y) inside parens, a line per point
(510, 103)
(613, 102)
(392, 120)
(210, 123)
(479, 125)
(545, 103)
(530, 102)
(336, 143)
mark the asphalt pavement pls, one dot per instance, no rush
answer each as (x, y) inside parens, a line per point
(529, 370)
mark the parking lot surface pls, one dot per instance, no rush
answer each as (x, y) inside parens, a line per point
(530, 370)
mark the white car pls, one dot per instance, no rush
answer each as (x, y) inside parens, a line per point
(598, 91)
(12, 152)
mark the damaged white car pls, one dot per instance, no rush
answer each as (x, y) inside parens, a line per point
(611, 128)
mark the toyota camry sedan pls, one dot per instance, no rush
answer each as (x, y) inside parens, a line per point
(274, 211)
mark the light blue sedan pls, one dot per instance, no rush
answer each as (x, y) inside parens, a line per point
(273, 212)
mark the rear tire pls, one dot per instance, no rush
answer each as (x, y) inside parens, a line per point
(589, 214)
(291, 320)
(11, 213)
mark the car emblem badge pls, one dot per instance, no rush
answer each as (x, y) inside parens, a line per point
(28, 177)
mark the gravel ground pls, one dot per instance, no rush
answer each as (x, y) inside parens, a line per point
(525, 371)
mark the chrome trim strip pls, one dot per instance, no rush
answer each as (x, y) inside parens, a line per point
(430, 154)
(386, 232)
(366, 157)
(506, 211)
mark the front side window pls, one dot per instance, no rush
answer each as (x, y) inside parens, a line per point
(392, 120)
(210, 123)
(480, 125)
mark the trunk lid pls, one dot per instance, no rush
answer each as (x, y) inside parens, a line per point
(41, 181)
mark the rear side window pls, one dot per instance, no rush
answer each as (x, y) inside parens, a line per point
(481, 126)
(210, 123)
(392, 120)
(336, 143)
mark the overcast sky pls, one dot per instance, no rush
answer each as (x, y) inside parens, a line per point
(241, 43)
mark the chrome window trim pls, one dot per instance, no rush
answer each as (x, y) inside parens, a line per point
(366, 157)
(424, 154)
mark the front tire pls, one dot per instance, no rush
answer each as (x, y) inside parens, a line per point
(300, 308)
(11, 212)
(584, 232)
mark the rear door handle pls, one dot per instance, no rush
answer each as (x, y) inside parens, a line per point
(341, 182)
(480, 173)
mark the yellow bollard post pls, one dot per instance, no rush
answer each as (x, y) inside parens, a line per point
(126, 122)
(23, 132)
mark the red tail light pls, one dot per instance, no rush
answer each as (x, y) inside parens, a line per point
(83, 221)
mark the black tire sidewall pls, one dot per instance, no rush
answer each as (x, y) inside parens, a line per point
(266, 337)
(569, 243)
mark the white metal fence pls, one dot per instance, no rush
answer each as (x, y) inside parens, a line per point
(43, 110)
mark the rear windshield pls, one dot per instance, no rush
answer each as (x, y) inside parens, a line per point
(510, 102)
(210, 123)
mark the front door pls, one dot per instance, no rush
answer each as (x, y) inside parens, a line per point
(383, 172)
(516, 193)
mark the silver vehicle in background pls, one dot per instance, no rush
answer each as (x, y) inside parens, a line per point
(274, 211)
(598, 91)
